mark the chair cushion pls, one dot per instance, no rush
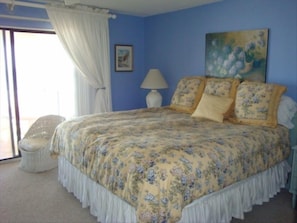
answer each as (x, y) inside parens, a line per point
(32, 144)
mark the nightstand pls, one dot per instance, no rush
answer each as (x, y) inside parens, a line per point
(293, 183)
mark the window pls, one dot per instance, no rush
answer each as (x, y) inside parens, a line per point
(37, 78)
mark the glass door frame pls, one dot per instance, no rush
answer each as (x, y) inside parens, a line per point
(9, 62)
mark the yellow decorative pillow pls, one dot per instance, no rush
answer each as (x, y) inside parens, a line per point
(188, 94)
(223, 87)
(257, 103)
(212, 107)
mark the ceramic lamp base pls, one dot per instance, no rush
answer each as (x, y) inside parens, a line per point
(153, 99)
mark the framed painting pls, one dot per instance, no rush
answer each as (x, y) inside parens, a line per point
(123, 58)
(240, 54)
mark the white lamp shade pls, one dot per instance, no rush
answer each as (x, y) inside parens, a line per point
(154, 80)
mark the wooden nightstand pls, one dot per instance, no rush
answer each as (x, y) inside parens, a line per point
(293, 183)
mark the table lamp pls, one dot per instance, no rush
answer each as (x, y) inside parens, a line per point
(154, 80)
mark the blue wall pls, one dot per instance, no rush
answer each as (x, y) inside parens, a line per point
(126, 92)
(175, 43)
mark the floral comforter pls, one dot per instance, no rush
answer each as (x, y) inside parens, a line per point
(159, 160)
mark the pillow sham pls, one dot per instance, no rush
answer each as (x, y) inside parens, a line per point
(212, 107)
(223, 87)
(257, 103)
(286, 111)
(188, 94)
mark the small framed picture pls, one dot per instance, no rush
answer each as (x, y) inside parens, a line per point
(123, 58)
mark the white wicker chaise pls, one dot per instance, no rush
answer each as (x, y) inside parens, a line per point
(34, 146)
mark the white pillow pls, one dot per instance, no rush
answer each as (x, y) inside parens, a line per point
(286, 110)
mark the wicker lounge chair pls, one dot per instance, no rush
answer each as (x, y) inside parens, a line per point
(35, 144)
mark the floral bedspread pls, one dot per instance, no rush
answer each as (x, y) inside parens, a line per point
(159, 160)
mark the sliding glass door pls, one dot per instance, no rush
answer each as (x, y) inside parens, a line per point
(36, 79)
(8, 106)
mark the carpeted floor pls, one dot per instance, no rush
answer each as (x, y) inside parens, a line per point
(39, 198)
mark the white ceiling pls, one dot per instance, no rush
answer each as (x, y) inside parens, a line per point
(143, 7)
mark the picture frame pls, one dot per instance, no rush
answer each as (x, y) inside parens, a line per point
(237, 54)
(123, 58)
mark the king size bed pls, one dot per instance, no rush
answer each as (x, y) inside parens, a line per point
(183, 162)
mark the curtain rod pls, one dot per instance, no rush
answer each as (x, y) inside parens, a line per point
(24, 18)
(12, 3)
(26, 28)
(27, 4)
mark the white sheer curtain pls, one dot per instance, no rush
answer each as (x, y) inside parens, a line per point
(84, 92)
(85, 36)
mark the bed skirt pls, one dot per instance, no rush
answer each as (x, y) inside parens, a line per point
(219, 206)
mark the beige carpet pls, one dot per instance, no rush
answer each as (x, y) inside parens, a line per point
(39, 198)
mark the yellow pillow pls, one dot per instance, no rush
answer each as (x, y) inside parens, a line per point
(223, 87)
(257, 103)
(212, 107)
(188, 94)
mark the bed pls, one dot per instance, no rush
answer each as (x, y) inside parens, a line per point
(216, 150)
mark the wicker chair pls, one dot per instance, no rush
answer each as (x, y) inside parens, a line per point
(35, 144)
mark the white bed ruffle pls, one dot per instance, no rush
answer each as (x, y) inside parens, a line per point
(219, 206)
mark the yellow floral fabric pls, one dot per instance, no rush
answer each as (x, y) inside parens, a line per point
(223, 87)
(159, 160)
(257, 103)
(188, 94)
